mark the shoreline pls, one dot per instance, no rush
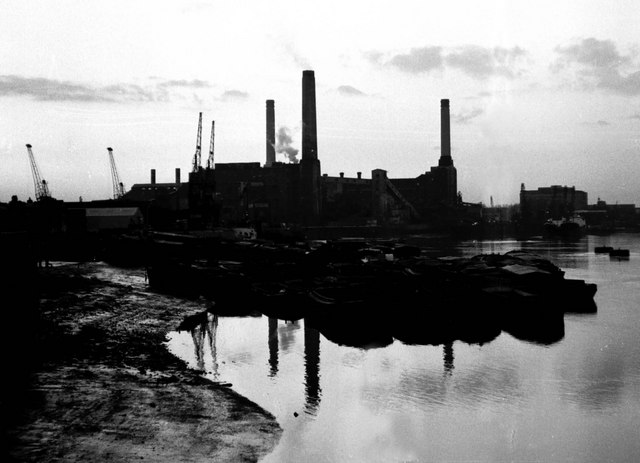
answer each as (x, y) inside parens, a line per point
(93, 381)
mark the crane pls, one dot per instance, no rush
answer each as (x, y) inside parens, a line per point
(42, 188)
(118, 186)
(197, 155)
(210, 160)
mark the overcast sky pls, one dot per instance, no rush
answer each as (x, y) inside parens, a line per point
(542, 93)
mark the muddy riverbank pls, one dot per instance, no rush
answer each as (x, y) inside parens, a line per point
(87, 378)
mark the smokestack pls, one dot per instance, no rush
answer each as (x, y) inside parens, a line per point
(178, 175)
(309, 164)
(445, 135)
(153, 176)
(309, 129)
(271, 133)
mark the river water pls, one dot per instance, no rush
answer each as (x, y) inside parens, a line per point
(573, 399)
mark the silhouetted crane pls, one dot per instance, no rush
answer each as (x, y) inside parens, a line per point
(118, 186)
(210, 160)
(197, 156)
(42, 188)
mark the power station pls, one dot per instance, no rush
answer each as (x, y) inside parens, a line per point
(298, 193)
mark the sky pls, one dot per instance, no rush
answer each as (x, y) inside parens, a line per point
(541, 93)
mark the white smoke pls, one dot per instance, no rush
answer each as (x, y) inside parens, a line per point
(283, 145)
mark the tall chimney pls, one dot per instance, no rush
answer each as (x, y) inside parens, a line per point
(309, 164)
(271, 133)
(309, 129)
(178, 175)
(153, 176)
(445, 135)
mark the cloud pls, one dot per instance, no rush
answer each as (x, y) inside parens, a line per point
(482, 63)
(465, 118)
(129, 92)
(599, 65)
(300, 61)
(195, 83)
(635, 116)
(49, 89)
(348, 90)
(475, 61)
(231, 95)
(44, 89)
(419, 60)
(591, 52)
(600, 123)
(479, 96)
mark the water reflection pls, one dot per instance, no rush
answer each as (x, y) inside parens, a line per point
(447, 355)
(311, 369)
(287, 334)
(353, 329)
(273, 346)
(448, 398)
(287, 329)
(202, 327)
(539, 326)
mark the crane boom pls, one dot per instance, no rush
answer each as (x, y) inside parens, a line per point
(210, 160)
(197, 155)
(118, 186)
(41, 186)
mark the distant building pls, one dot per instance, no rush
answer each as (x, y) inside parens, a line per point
(171, 196)
(552, 202)
(603, 216)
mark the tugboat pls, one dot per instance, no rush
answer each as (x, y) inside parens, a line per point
(574, 225)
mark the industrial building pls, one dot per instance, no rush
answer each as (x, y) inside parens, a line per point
(554, 202)
(297, 193)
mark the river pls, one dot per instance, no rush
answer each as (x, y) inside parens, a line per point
(573, 399)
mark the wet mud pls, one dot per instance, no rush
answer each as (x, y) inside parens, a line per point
(88, 378)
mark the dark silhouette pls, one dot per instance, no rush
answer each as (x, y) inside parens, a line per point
(273, 346)
(312, 369)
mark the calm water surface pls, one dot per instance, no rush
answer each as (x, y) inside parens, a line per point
(574, 400)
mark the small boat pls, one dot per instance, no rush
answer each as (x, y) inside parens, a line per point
(619, 253)
(567, 226)
(603, 249)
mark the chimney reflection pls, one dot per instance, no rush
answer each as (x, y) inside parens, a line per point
(207, 329)
(197, 334)
(447, 354)
(273, 346)
(312, 368)
(212, 330)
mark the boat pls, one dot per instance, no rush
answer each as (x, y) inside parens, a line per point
(619, 253)
(567, 226)
(602, 249)
(363, 300)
